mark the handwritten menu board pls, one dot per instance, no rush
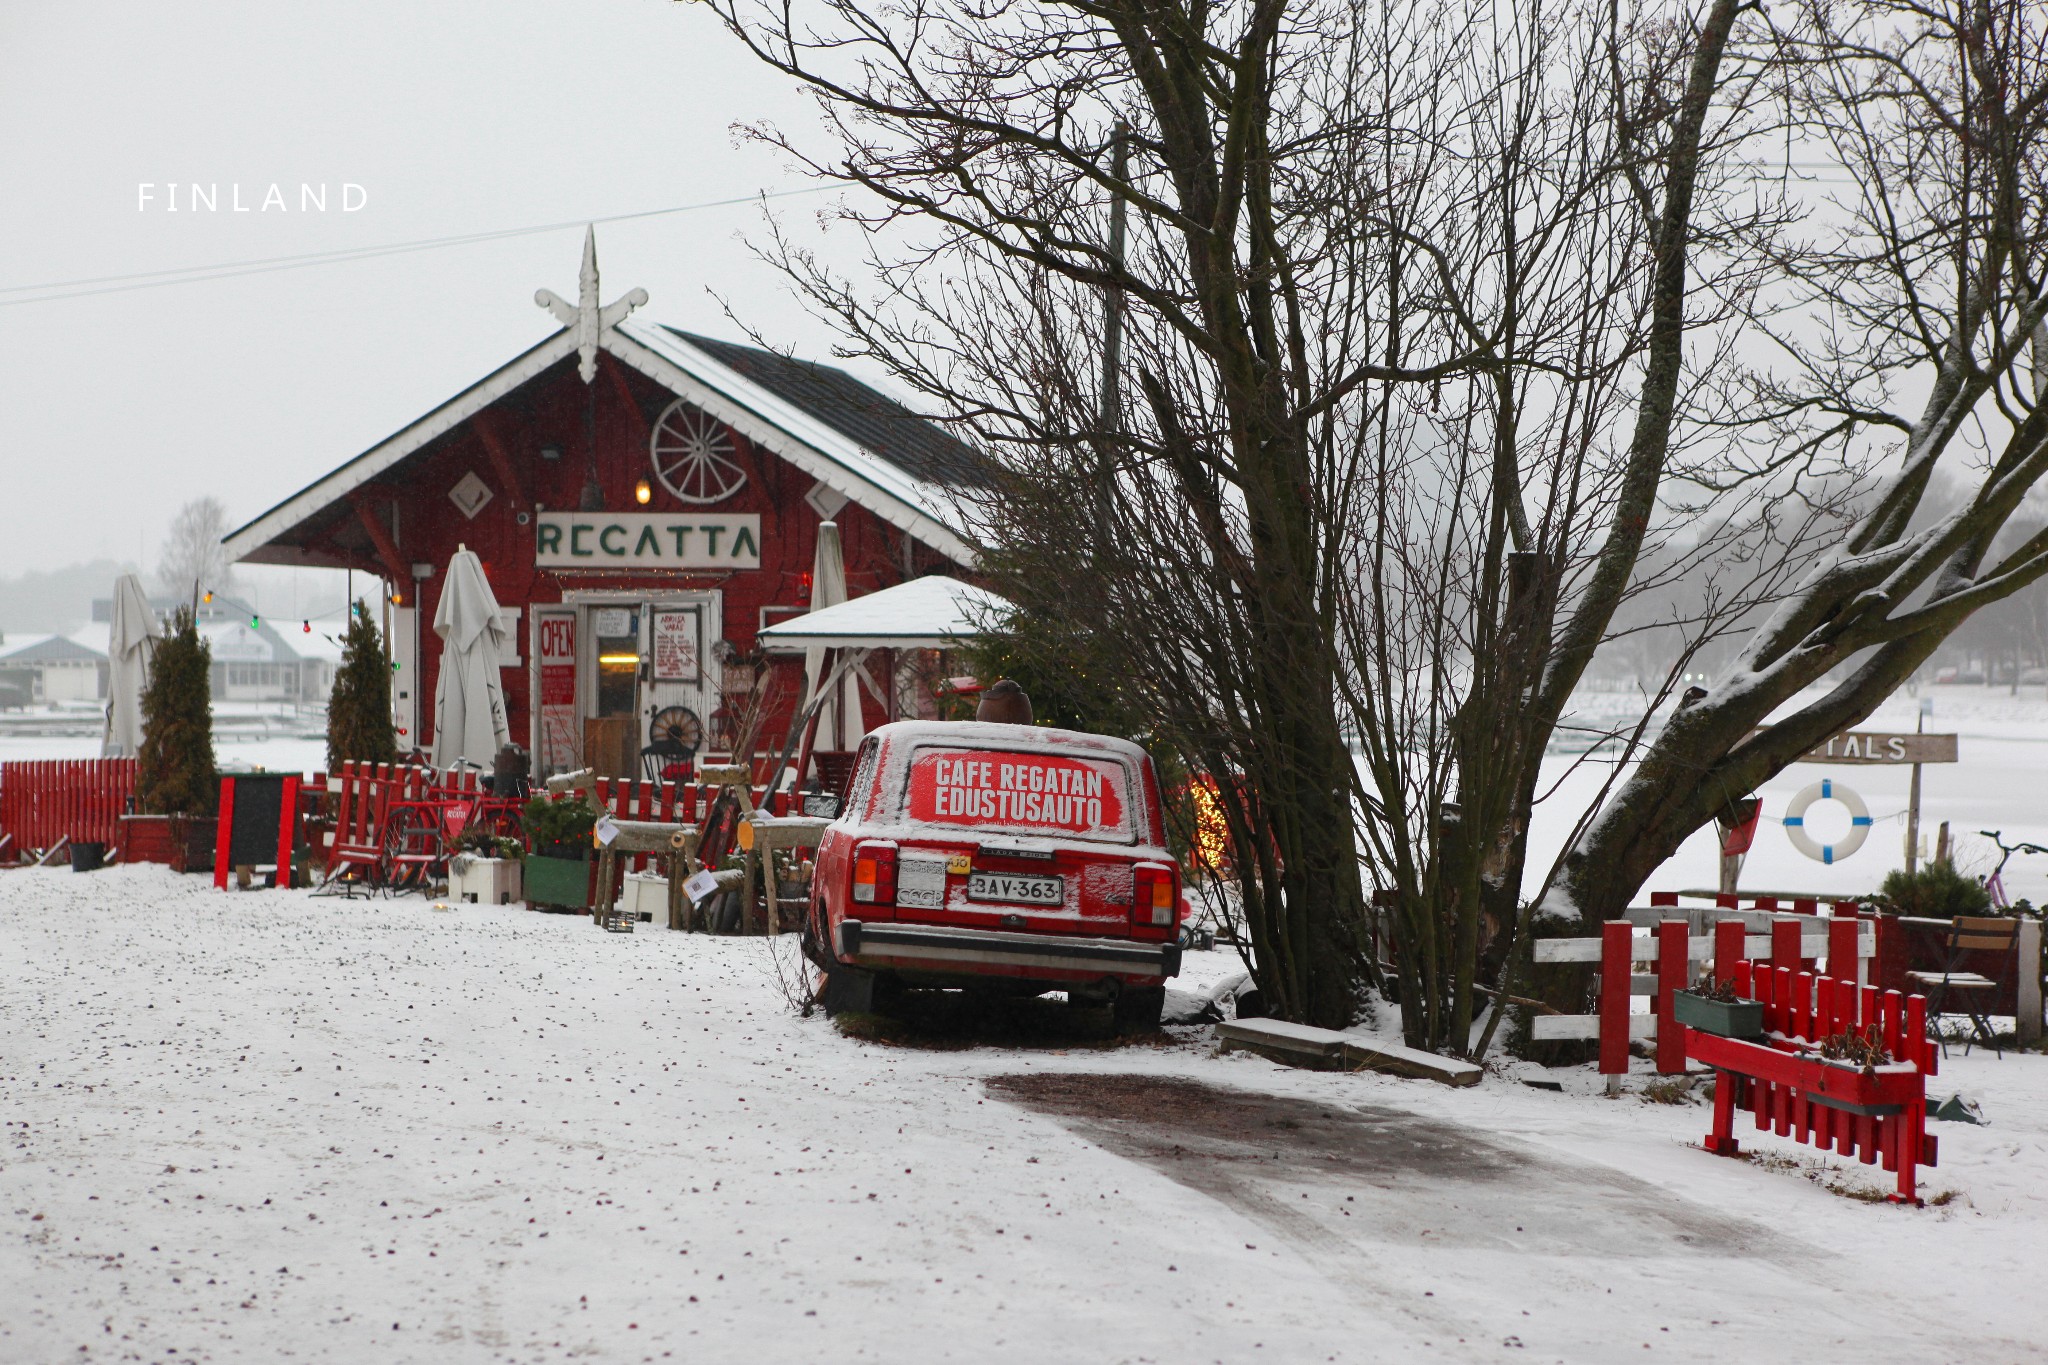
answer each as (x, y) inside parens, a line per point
(675, 645)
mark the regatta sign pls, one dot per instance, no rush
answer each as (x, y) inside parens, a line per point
(646, 540)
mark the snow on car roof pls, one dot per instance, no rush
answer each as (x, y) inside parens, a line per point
(1026, 737)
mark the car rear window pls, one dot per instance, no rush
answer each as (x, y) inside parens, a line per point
(1022, 792)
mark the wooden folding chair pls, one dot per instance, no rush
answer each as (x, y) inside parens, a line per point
(1972, 992)
(357, 854)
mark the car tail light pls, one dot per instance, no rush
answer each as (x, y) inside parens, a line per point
(874, 874)
(1158, 894)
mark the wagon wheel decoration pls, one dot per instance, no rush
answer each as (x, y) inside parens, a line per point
(677, 725)
(693, 455)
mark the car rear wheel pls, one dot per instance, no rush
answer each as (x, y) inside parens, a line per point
(1137, 1009)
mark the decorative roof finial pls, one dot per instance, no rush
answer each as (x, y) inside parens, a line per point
(585, 317)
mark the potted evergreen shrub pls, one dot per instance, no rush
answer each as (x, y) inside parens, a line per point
(175, 779)
(558, 868)
(1714, 1007)
(359, 725)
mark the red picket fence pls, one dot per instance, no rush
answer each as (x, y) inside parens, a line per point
(1876, 1114)
(45, 802)
(1752, 900)
(363, 795)
(1672, 949)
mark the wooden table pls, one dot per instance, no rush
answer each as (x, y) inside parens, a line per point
(676, 843)
(762, 836)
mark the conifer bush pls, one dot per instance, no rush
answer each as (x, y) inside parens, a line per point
(1936, 890)
(174, 773)
(359, 723)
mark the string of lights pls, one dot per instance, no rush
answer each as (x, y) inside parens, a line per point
(50, 291)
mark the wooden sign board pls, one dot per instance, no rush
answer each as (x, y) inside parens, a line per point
(1858, 746)
(675, 645)
(258, 824)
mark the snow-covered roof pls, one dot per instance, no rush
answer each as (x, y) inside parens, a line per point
(925, 613)
(49, 649)
(827, 427)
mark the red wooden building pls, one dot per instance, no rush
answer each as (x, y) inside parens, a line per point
(644, 500)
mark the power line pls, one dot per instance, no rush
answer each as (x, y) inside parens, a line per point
(226, 270)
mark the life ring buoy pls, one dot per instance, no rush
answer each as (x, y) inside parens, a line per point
(1827, 790)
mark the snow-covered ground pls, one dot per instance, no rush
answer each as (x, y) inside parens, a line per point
(263, 1126)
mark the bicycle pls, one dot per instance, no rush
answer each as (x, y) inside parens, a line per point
(1995, 883)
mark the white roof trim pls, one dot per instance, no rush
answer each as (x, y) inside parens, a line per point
(776, 425)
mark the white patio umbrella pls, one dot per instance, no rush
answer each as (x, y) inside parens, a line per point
(129, 638)
(839, 723)
(469, 696)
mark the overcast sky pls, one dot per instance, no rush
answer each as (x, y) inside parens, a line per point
(455, 116)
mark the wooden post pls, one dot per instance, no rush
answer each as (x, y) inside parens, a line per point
(1913, 798)
(224, 834)
(1615, 970)
(2028, 1023)
(1843, 959)
(1728, 948)
(764, 849)
(1673, 971)
(1913, 823)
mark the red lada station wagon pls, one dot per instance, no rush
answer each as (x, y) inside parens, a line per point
(1011, 858)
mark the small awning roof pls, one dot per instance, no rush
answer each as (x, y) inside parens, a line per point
(925, 613)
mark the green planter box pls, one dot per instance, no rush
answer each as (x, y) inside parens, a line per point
(1740, 1019)
(559, 882)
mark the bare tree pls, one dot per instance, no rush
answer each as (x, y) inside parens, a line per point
(193, 560)
(1437, 328)
(1929, 285)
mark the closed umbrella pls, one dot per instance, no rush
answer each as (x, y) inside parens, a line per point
(129, 640)
(469, 696)
(839, 723)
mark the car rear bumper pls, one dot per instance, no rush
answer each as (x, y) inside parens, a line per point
(932, 948)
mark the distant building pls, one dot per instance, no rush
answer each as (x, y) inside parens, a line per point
(51, 668)
(253, 661)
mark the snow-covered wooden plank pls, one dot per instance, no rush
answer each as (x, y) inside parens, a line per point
(1373, 1054)
(1294, 1044)
(1304, 1045)
(1554, 1028)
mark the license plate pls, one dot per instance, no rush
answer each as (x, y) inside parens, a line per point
(921, 882)
(1016, 889)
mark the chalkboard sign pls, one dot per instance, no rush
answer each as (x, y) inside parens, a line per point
(257, 818)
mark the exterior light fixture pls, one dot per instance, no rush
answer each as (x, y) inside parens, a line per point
(643, 493)
(593, 495)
